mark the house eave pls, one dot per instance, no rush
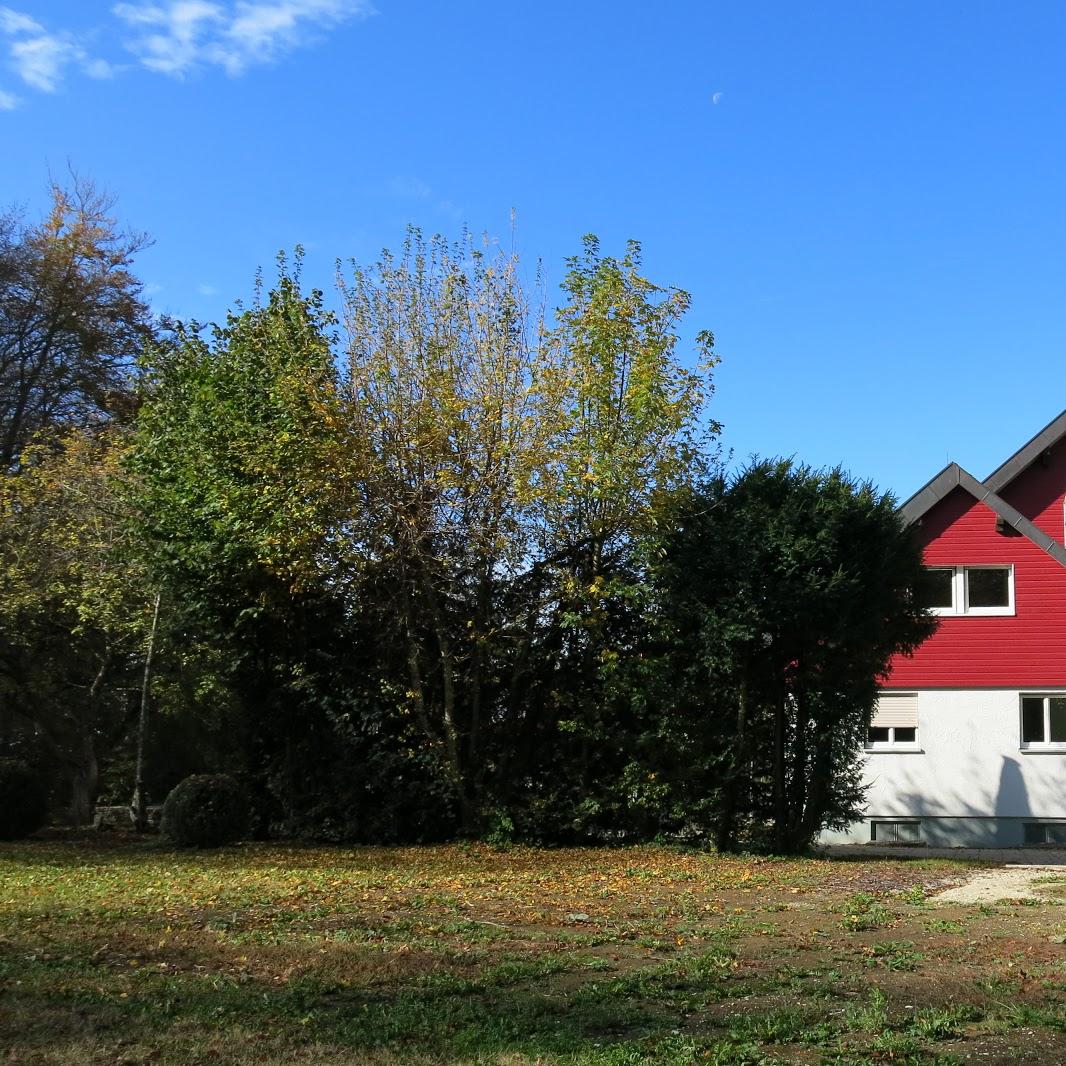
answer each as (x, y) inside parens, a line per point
(1027, 454)
(952, 477)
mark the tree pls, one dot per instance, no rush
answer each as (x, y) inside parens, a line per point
(784, 593)
(422, 557)
(74, 605)
(240, 487)
(72, 317)
(634, 431)
(455, 395)
(510, 472)
(635, 425)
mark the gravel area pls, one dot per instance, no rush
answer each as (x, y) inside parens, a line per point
(1005, 856)
(1012, 877)
(1006, 882)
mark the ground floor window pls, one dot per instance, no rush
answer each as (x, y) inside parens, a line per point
(894, 722)
(1044, 720)
(892, 734)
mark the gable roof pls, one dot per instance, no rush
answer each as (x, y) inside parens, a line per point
(954, 477)
(1027, 454)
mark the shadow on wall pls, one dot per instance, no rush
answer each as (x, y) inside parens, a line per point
(975, 795)
(1012, 798)
(979, 811)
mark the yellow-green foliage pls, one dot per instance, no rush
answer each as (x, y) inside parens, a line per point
(65, 539)
(240, 451)
(634, 422)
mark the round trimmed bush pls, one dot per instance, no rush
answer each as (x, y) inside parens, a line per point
(23, 800)
(204, 811)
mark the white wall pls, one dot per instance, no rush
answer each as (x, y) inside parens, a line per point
(971, 763)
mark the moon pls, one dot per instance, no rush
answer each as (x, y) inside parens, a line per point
(716, 98)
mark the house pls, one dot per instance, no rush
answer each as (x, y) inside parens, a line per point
(967, 745)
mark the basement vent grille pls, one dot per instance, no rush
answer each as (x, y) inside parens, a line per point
(896, 832)
(1045, 833)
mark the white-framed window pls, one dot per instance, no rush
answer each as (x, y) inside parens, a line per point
(1043, 725)
(969, 590)
(894, 723)
(891, 735)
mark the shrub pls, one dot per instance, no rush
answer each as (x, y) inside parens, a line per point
(204, 811)
(23, 800)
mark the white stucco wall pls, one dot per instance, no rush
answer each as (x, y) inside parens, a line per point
(971, 763)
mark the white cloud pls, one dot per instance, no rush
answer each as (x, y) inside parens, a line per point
(178, 32)
(100, 69)
(180, 36)
(207, 290)
(41, 58)
(15, 22)
(173, 37)
(40, 61)
(176, 13)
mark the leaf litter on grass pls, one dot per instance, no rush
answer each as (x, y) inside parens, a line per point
(471, 954)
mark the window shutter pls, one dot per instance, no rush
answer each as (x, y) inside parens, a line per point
(900, 711)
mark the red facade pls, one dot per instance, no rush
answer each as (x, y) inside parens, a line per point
(1023, 650)
(1039, 489)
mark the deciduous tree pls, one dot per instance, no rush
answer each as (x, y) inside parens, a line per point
(74, 604)
(512, 473)
(240, 465)
(457, 398)
(634, 430)
(72, 317)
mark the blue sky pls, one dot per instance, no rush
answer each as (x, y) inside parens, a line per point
(866, 200)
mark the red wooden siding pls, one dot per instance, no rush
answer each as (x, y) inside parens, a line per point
(1024, 650)
(1038, 492)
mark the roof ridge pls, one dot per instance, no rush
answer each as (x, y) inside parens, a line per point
(934, 490)
(1008, 470)
(954, 476)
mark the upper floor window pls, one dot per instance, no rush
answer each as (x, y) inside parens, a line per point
(969, 590)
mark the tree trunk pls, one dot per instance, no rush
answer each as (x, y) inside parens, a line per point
(83, 782)
(780, 792)
(452, 737)
(139, 803)
(821, 772)
(86, 774)
(799, 783)
(479, 667)
(451, 729)
(726, 830)
(519, 719)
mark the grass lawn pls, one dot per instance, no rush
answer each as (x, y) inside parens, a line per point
(121, 951)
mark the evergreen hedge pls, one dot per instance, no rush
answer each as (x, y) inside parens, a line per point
(205, 811)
